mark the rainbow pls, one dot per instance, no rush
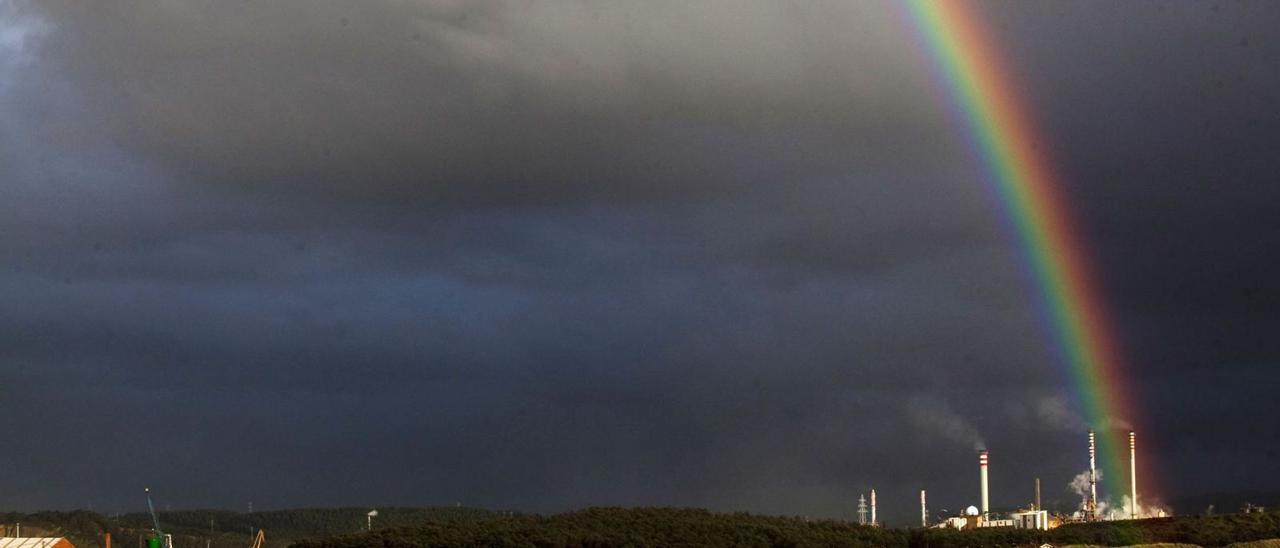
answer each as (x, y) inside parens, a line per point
(982, 91)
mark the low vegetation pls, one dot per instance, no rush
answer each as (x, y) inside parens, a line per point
(614, 527)
(638, 527)
(669, 527)
(224, 529)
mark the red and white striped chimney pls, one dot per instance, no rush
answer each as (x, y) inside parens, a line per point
(1133, 477)
(982, 470)
(1091, 508)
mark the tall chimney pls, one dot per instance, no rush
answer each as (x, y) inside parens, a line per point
(873, 508)
(1091, 507)
(1133, 477)
(982, 470)
(924, 511)
(106, 539)
(1037, 508)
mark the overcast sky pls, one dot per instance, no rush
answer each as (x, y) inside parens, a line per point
(548, 255)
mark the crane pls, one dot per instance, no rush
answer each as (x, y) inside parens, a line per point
(259, 539)
(155, 522)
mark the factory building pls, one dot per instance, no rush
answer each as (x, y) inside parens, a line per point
(1035, 517)
(33, 542)
(1031, 519)
(971, 519)
(1025, 519)
(976, 518)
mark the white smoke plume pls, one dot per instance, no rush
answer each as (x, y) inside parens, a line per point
(936, 416)
(1055, 412)
(1109, 511)
(1146, 509)
(1117, 423)
(1080, 486)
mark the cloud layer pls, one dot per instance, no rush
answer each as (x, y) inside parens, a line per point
(541, 256)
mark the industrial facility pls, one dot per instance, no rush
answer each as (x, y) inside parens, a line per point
(30, 542)
(1035, 517)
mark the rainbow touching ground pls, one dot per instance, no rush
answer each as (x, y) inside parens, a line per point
(986, 99)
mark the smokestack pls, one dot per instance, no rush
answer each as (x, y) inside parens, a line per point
(1037, 508)
(1133, 477)
(982, 470)
(924, 511)
(873, 508)
(106, 540)
(1091, 508)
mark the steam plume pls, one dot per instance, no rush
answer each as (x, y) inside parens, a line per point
(935, 415)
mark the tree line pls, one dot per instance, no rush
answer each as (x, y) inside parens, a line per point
(674, 527)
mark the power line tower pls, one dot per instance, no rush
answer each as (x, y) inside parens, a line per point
(862, 509)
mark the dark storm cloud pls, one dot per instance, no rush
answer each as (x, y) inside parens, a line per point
(551, 255)
(491, 103)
